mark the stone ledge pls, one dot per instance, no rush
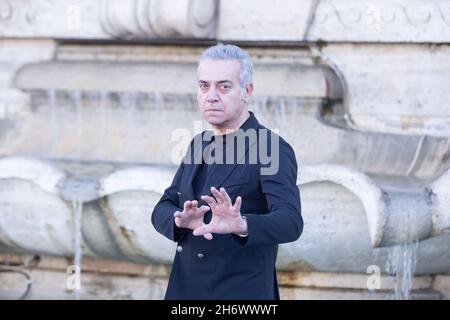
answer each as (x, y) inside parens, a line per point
(103, 266)
(343, 280)
(108, 279)
(348, 294)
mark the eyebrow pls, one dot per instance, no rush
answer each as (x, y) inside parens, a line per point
(220, 82)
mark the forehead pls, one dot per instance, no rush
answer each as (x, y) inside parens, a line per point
(218, 70)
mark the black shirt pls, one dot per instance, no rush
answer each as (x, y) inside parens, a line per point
(216, 149)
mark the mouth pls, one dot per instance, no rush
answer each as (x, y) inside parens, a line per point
(213, 110)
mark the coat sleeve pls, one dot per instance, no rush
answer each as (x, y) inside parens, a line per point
(283, 222)
(162, 215)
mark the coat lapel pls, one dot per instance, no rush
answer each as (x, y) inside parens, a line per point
(192, 170)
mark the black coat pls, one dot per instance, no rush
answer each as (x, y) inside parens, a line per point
(231, 267)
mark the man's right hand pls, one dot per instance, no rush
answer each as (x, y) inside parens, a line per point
(192, 217)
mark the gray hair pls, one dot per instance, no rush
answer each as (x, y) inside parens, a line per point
(231, 52)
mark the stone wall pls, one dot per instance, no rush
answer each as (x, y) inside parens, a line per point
(359, 89)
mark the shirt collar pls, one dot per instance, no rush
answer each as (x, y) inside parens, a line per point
(249, 123)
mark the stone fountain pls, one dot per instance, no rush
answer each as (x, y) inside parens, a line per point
(95, 131)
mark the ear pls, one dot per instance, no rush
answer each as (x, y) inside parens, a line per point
(249, 90)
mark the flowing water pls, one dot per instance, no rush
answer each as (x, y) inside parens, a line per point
(78, 238)
(402, 258)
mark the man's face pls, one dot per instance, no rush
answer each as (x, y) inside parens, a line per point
(219, 92)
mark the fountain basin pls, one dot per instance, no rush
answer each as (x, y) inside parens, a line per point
(358, 226)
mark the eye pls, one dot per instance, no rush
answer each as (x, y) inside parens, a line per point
(203, 86)
(224, 87)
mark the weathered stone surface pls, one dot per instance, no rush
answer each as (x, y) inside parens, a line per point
(33, 219)
(345, 280)
(112, 228)
(288, 20)
(440, 194)
(86, 116)
(51, 19)
(97, 19)
(14, 54)
(352, 221)
(103, 279)
(346, 247)
(336, 21)
(160, 18)
(396, 88)
(332, 294)
(381, 21)
(441, 284)
(51, 285)
(263, 20)
(373, 167)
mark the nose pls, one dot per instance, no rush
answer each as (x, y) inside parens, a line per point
(211, 95)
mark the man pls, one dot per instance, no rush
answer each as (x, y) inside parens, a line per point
(227, 208)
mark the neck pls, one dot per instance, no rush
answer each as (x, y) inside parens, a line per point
(229, 128)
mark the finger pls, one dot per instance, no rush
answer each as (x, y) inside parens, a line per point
(217, 195)
(194, 203)
(204, 208)
(208, 236)
(186, 205)
(238, 203)
(225, 196)
(209, 200)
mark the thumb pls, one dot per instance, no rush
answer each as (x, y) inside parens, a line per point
(177, 214)
(203, 231)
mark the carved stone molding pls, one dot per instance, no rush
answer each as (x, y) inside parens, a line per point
(389, 13)
(6, 10)
(385, 21)
(414, 21)
(159, 18)
(403, 20)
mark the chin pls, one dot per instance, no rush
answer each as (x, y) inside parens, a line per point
(215, 120)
